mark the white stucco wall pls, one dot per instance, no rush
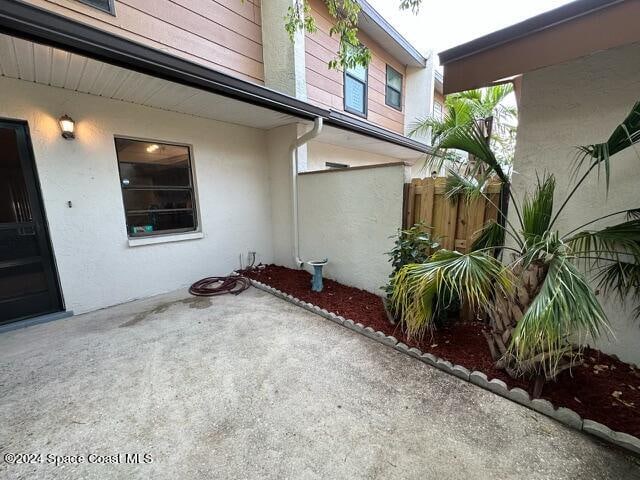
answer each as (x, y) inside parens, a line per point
(419, 96)
(279, 141)
(348, 216)
(578, 103)
(97, 267)
(319, 153)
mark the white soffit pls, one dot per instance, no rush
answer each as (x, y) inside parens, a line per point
(343, 138)
(33, 62)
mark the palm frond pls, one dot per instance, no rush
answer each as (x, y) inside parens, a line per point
(474, 95)
(599, 154)
(614, 253)
(542, 248)
(633, 213)
(609, 242)
(565, 310)
(494, 96)
(483, 102)
(419, 289)
(490, 236)
(439, 129)
(471, 139)
(621, 279)
(465, 186)
(538, 208)
(430, 125)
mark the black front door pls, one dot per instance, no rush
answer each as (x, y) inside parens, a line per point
(28, 280)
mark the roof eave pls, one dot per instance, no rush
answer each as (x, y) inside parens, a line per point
(530, 26)
(378, 28)
(345, 121)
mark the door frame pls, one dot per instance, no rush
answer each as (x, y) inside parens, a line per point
(25, 147)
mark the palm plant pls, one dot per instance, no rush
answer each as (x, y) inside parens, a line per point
(462, 109)
(540, 304)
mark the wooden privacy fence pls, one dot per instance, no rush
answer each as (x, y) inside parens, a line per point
(454, 222)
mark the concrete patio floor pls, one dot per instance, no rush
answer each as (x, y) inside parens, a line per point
(253, 387)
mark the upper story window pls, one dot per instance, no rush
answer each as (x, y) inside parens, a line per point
(355, 90)
(438, 111)
(157, 187)
(393, 96)
(104, 5)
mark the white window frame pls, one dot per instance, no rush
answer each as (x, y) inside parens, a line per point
(387, 87)
(169, 236)
(365, 99)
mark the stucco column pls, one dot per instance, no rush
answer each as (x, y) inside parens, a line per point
(419, 88)
(284, 65)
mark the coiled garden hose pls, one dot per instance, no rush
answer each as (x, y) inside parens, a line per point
(212, 286)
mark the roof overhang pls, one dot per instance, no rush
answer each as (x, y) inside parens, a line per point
(571, 31)
(374, 25)
(354, 141)
(37, 63)
(24, 21)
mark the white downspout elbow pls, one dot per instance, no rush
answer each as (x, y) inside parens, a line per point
(311, 134)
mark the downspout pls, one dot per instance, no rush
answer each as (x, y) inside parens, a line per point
(311, 134)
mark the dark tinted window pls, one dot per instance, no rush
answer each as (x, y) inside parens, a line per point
(157, 187)
(393, 96)
(105, 5)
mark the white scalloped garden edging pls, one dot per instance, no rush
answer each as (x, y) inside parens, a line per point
(497, 386)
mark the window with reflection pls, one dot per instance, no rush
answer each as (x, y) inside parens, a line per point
(438, 111)
(157, 187)
(104, 5)
(355, 90)
(393, 96)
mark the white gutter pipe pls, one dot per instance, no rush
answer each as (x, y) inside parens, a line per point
(301, 141)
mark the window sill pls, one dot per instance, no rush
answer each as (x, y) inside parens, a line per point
(176, 237)
(393, 106)
(355, 112)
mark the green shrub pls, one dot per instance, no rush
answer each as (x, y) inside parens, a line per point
(416, 245)
(413, 245)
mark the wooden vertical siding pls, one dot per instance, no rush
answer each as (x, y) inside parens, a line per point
(325, 86)
(456, 223)
(225, 35)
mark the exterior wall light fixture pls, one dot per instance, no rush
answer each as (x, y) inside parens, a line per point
(68, 126)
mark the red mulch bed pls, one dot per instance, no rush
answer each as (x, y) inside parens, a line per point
(603, 389)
